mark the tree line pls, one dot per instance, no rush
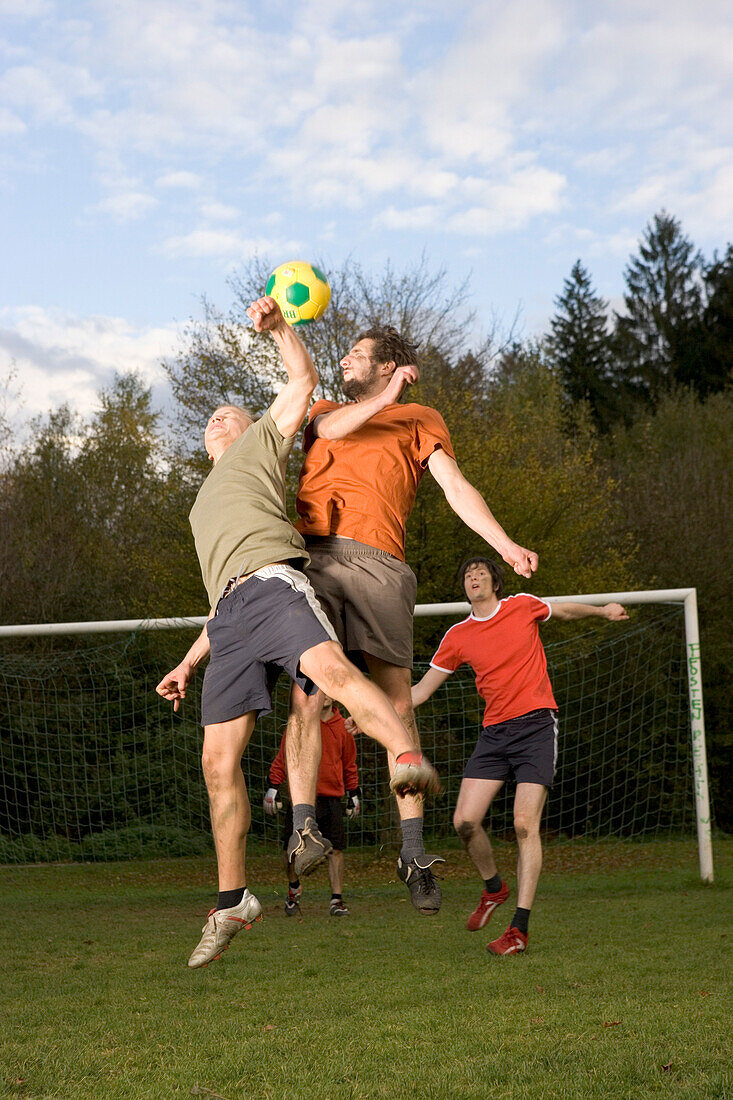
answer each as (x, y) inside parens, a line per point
(604, 444)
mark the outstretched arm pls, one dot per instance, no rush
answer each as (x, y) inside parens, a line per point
(173, 686)
(430, 683)
(468, 503)
(341, 422)
(291, 404)
(614, 612)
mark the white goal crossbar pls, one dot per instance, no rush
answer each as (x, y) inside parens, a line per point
(685, 596)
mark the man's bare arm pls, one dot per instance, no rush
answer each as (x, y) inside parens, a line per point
(430, 683)
(349, 418)
(566, 612)
(173, 686)
(468, 503)
(291, 404)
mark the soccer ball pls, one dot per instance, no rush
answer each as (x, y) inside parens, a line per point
(301, 290)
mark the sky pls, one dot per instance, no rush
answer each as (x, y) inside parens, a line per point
(149, 147)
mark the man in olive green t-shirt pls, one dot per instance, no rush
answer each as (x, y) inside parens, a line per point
(264, 611)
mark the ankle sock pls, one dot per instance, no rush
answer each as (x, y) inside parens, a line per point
(293, 886)
(493, 885)
(336, 897)
(520, 920)
(300, 813)
(412, 842)
(229, 898)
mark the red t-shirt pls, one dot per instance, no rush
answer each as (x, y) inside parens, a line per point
(363, 486)
(505, 652)
(337, 773)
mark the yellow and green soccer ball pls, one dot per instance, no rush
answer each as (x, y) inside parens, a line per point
(301, 290)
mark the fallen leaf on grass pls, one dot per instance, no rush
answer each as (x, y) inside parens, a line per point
(667, 1067)
(537, 1019)
(268, 1027)
(539, 989)
(197, 1090)
(703, 993)
(610, 1023)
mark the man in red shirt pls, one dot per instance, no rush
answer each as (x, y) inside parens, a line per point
(363, 463)
(500, 641)
(337, 776)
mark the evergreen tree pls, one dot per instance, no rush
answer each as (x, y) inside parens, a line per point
(718, 325)
(658, 340)
(579, 347)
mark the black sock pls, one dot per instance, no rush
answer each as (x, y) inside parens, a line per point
(229, 898)
(335, 897)
(294, 885)
(493, 885)
(520, 920)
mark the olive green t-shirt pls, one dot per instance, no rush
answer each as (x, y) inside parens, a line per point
(238, 519)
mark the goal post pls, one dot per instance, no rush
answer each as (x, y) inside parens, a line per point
(687, 597)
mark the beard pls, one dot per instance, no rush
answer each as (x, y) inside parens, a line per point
(354, 388)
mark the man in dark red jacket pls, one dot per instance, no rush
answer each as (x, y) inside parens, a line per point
(337, 776)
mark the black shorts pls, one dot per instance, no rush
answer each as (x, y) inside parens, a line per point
(270, 619)
(524, 748)
(330, 820)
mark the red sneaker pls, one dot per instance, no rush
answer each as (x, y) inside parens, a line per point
(482, 913)
(510, 942)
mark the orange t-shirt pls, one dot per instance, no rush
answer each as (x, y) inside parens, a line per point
(505, 652)
(363, 487)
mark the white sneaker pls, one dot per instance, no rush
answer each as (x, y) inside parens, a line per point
(221, 928)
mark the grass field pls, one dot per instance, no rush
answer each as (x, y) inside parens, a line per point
(624, 992)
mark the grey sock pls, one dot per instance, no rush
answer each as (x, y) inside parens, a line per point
(300, 813)
(412, 842)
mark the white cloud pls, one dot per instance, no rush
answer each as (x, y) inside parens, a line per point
(220, 244)
(219, 212)
(129, 205)
(184, 180)
(63, 358)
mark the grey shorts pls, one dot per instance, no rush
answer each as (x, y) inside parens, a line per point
(523, 748)
(269, 620)
(368, 595)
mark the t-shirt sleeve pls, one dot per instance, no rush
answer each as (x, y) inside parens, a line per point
(270, 438)
(448, 656)
(539, 610)
(278, 768)
(432, 435)
(317, 409)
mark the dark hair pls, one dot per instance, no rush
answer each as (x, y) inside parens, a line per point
(390, 347)
(495, 570)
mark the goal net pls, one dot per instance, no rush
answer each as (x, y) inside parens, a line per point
(95, 766)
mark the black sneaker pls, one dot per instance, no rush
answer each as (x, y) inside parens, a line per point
(420, 881)
(308, 848)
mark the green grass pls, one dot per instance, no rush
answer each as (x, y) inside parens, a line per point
(621, 994)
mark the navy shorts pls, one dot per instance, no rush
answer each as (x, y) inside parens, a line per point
(329, 818)
(523, 748)
(270, 619)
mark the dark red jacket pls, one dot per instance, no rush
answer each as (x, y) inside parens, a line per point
(337, 773)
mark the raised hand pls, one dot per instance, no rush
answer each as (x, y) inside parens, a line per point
(265, 314)
(402, 377)
(614, 612)
(523, 562)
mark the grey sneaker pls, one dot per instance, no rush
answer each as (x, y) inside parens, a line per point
(420, 881)
(338, 909)
(414, 774)
(292, 902)
(221, 928)
(308, 848)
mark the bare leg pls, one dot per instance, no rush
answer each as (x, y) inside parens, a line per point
(336, 871)
(474, 799)
(396, 682)
(303, 745)
(224, 744)
(328, 667)
(529, 803)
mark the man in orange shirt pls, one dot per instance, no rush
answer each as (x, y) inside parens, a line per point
(337, 776)
(500, 640)
(363, 463)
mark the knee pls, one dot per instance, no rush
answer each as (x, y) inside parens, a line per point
(466, 829)
(217, 768)
(525, 826)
